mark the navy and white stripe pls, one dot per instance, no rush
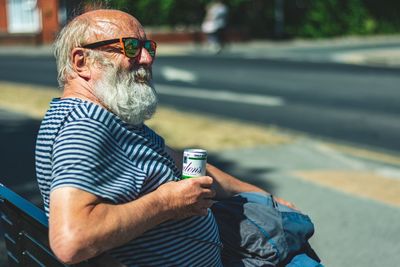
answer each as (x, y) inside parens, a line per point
(84, 146)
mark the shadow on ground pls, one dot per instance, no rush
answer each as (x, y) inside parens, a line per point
(17, 142)
(256, 176)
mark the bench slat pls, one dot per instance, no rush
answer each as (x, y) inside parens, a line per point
(10, 229)
(12, 261)
(39, 252)
(8, 220)
(26, 235)
(31, 261)
(36, 232)
(24, 205)
(12, 247)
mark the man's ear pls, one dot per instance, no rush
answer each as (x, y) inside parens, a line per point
(79, 63)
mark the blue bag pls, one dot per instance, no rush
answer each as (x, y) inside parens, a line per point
(257, 231)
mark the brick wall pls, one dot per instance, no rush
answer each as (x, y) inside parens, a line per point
(3, 16)
(50, 23)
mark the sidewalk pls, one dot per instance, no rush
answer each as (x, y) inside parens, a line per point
(353, 200)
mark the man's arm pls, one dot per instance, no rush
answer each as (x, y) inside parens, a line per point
(225, 184)
(83, 226)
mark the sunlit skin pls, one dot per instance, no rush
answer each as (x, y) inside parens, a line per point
(81, 224)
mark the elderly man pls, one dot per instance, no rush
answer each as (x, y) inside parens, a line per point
(108, 182)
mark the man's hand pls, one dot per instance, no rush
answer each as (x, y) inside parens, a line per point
(286, 203)
(188, 197)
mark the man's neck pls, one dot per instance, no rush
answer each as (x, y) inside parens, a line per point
(74, 90)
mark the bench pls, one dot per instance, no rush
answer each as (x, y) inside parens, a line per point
(25, 229)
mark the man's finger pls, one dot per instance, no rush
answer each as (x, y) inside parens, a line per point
(286, 203)
(206, 181)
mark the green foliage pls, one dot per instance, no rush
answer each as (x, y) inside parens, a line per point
(324, 18)
(165, 12)
(336, 17)
(305, 18)
(357, 18)
(386, 15)
(253, 16)
(256, 17)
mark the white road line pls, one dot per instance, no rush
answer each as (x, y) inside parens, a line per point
(340, 157)
(218, 95)
(389, 172)
(174, 74)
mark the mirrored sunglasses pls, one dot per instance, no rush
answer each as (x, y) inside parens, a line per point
(131, 47)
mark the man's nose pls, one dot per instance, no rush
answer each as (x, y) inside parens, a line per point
(145, 58)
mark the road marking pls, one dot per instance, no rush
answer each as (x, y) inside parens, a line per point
(175, 74)
(339, 157)
(218, 95)
(389, 172)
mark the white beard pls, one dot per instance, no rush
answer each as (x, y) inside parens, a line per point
(128, 94)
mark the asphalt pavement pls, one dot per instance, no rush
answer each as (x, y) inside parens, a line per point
(352, 195)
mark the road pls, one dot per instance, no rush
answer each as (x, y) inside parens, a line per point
(354, 104)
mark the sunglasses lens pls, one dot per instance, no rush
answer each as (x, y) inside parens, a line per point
(132, 47)
(150, 47)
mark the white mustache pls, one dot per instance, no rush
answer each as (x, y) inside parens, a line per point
(128, 93)
(142, 75)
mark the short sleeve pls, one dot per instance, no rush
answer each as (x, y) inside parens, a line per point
(87, 157)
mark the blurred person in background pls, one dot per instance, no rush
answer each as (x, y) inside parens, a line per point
(214, 25)
(109, 183)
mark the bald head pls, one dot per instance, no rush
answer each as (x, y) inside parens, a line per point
(108, 24)
(88, 28)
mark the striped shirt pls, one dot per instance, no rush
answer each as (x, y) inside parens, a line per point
(84, 146)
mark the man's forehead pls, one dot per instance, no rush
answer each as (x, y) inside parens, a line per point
(110, 27)
(108, 24)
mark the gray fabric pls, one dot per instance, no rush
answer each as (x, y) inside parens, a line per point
(257, 231)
